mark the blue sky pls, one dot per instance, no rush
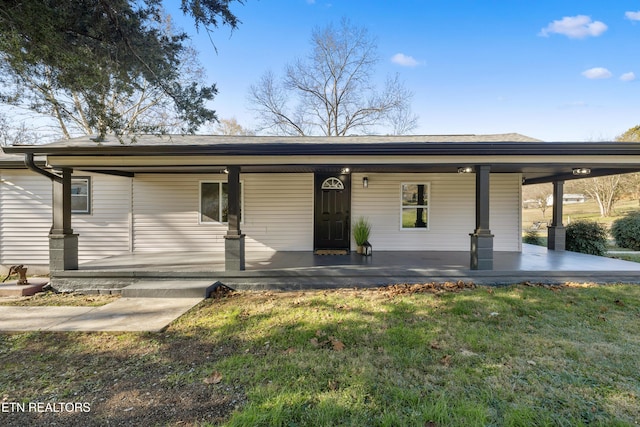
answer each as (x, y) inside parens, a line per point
(558, 70)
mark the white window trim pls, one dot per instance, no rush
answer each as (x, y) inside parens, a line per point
(219, 182)
(427, 207)
(333, 183)
(89, 191)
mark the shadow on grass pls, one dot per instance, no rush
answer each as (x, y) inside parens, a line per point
(501, 356)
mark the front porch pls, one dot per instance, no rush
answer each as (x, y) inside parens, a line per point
(304, 270)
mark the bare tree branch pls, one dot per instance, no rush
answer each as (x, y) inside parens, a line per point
(331, 92)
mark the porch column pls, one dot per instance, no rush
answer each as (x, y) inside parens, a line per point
(63, 244)
(481, 238)
(556, 234)
(234, 256)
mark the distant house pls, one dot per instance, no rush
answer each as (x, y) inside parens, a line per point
(233, 194)
(568, 199)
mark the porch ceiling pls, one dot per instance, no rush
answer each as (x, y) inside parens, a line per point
(531, 173)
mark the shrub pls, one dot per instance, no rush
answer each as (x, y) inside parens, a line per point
(587, 237)
(531, 237)
(626, 231)
(361, 231)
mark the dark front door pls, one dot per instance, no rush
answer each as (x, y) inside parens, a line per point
(332, 211)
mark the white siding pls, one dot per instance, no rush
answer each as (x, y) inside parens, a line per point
(277, 213)
(25, 218)
(104, 232)
(451, 211)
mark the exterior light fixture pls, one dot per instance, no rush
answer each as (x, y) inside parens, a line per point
(365, 182)
(465, 169)
(581, 171)
(225, 170)
(345, 171)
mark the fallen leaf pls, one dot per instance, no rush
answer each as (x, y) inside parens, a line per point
(337, 345)
(434, 345)
(314, 342)
(290, 350)
(619, 303)
(333, 385)
(319, 333)
(446, 360)
(531, 362)
(214, 378)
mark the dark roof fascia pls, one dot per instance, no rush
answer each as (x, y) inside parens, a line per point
(340, 149)
(571, 177)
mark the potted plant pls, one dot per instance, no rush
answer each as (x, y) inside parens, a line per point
(361, 232)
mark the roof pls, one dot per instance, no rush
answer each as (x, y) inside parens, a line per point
(209, 140)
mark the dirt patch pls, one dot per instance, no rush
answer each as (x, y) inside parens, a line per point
(140, 402)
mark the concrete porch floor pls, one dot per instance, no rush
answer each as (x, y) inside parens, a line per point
(299, 270)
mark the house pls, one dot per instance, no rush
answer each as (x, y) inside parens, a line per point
(568, 199)
(100, 202)
(239, 194)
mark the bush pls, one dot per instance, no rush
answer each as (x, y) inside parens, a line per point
(626, 231)
(531, 237)
(361, 231)
(587, 237)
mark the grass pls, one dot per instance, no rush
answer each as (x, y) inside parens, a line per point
(520, 355)
(59, 299)
(582, 211)
(579, 211)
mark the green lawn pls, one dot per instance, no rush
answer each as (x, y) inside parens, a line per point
(579, 211)
(398, 356)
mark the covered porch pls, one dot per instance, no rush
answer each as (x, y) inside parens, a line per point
(467, 190)
(304, 270)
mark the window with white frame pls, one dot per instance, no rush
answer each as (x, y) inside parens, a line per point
(81, 195)
(214, 202)
(415, 206)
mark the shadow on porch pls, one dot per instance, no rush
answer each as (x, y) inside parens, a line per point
(300, 270)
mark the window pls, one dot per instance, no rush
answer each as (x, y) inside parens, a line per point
(415, 206)
(214, 202)
(81, 195)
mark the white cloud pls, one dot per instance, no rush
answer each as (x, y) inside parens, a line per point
(628, 77)
(404, 60)
(597, 73)
(633, 16)
(575, 27)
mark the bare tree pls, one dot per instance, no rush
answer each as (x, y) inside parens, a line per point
(539, 194)
(15, 133)
(231, 127)
(332, 92)
(605, 190)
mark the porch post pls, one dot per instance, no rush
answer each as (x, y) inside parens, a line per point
(63, 244)
(556, 234)
(481, 238)
(234, 256)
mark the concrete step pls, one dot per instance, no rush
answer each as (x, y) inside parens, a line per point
(170, 289)
(12, 289)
